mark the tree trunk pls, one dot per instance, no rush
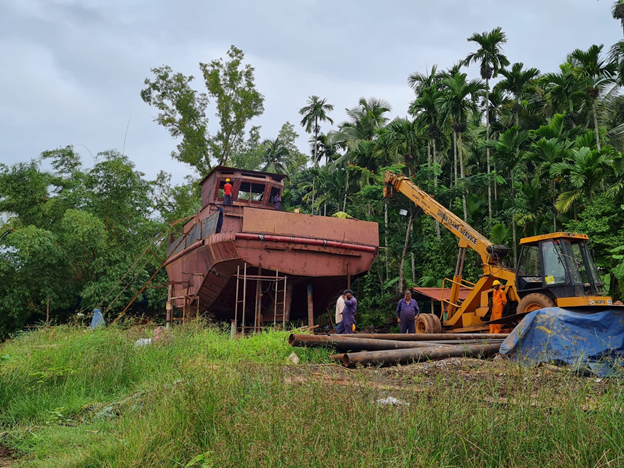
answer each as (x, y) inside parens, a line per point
(487, 149)
(404, 253)
(435, 182)
(429, 154)
(455, 155)
(461, 168)
(312, 196)
(386, 236)
(344, 204)
(413, 268)
(596, 125)
(515, 243)
(315, 141)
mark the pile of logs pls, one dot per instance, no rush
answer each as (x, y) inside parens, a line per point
(391, 349)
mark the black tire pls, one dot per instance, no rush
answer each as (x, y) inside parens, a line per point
(434, 321)
(534, 301)
(427, 323)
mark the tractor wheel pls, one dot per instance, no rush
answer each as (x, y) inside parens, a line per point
(534, 301)
(436, 326)
(425, 323)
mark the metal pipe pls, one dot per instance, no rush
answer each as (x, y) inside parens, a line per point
(275, 298)
(408, 356)
(305, 241)
(345, 343)
(236, 300)
(244, 297)
(429, 336)
(284, 307)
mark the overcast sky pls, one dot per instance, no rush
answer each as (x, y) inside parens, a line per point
(71, 71)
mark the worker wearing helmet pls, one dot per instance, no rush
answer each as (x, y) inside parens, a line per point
(499, 299)
(227, 192)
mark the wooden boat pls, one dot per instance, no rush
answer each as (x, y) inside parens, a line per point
(266, 264)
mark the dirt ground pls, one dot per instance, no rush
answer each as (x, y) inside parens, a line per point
(6, 457)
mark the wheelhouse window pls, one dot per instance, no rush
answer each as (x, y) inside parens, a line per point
(251, 192)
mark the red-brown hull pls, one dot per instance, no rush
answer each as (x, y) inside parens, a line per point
(306, 249)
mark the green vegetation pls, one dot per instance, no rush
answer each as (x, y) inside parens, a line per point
(73, 398)
(514, 151)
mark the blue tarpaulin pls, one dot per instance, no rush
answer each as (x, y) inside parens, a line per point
(594, 340)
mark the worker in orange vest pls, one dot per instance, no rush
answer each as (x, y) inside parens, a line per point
(499, 299)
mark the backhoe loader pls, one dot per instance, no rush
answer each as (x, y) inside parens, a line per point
(553, 270)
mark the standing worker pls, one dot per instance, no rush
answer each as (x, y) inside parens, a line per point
(277, 200)
(407, 311)
(499, 299)
(227, 192)
(220, 219)
(347, 325)
(340, 304)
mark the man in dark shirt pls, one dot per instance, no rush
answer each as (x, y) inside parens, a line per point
(348, 314)
(407, 311)
(220, 220)
(227, 192)
(277, 200)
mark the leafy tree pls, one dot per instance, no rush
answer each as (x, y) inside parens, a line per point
(232, 86)
(182, 110)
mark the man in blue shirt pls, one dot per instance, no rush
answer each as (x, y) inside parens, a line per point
(407, 311)
(348, 314)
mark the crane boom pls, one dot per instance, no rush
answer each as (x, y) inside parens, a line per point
(468, 236)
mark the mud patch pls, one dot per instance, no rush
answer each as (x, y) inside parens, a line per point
(6, 457)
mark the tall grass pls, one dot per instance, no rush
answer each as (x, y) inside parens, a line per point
(208, 401)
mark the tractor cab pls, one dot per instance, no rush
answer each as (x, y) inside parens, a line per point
(561, 267)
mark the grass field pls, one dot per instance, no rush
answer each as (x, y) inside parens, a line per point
(72, 398)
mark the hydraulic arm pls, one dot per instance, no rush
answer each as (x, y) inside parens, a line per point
(490, 254)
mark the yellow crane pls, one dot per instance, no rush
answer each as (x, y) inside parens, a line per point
(553, 270)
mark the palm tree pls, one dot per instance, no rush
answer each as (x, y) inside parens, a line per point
(598, 73)
(563, 91)
(326, 147)
(426, 116)
(276, 155)
(585, 174)
(316, 111)
(515, 82)
(491, 59)
(402, 138)
(507, 154)
(421, 81)
(457, 101)
(617, 10)
(365, 120)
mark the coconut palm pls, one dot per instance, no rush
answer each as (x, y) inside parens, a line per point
(365, 120)
(275, 156)
(491, 59)
(316, 111)
(598, 74)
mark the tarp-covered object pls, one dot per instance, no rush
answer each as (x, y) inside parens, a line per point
(562, 336)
